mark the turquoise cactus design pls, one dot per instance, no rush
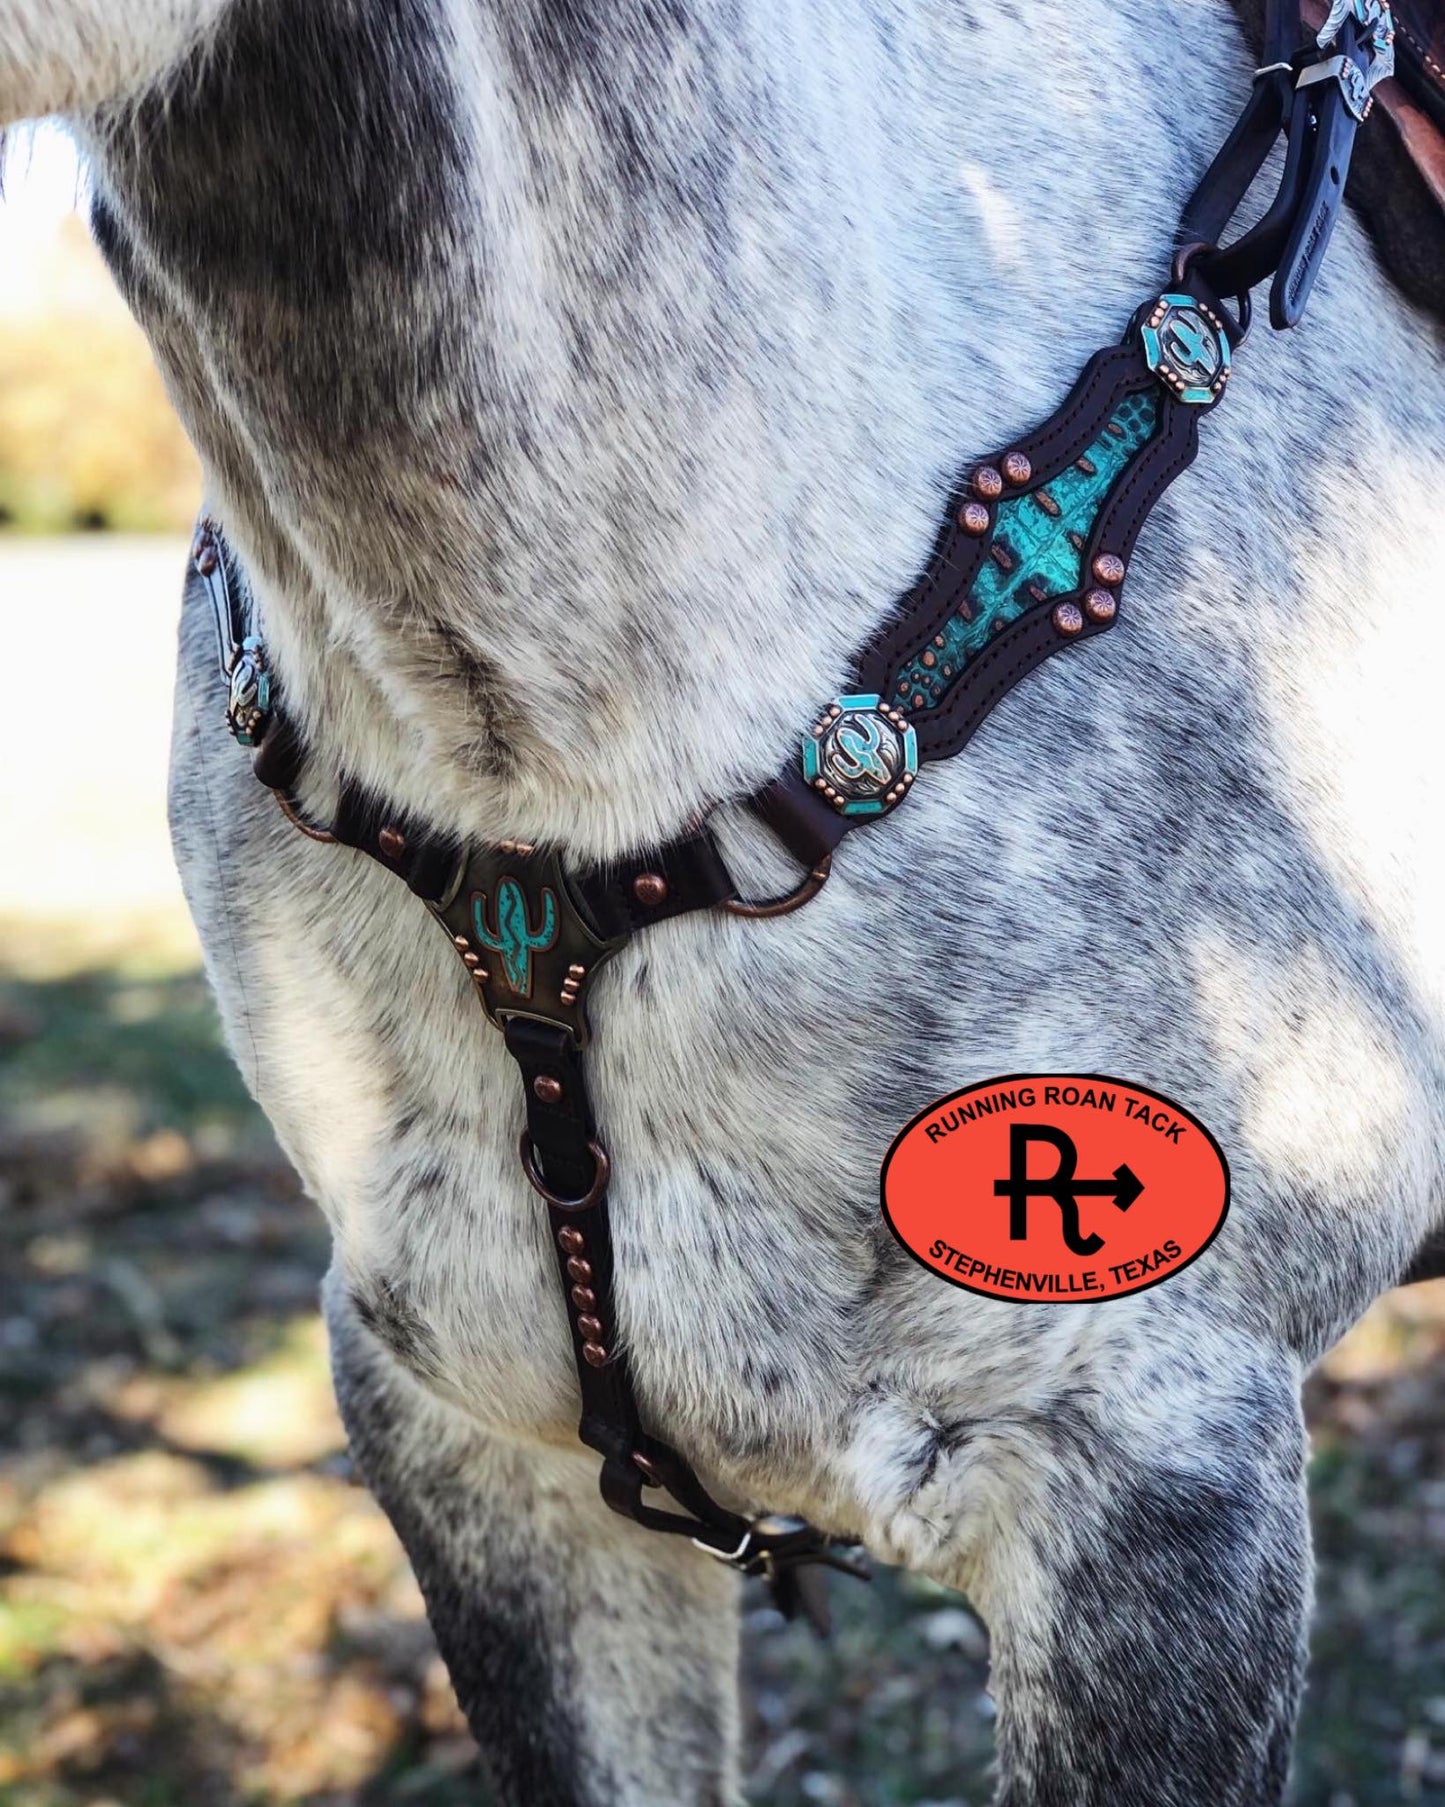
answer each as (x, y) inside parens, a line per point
(1040, 538)
(514, 937)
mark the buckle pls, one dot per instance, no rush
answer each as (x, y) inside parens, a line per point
(516, 923)
(1375, 38)
(738, 1558)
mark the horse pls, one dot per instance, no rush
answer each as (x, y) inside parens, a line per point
(579, 383)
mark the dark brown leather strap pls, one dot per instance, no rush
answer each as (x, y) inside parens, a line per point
(567, 1165)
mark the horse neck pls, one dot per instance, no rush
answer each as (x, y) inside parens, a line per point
(581, 397)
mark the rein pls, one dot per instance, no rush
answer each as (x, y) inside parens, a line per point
(1031, 559)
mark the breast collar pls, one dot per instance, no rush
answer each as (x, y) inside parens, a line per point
(1031, 559)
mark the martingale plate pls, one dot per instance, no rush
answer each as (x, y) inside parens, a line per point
(529, 952)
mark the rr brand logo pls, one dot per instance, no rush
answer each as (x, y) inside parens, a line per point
(1054, 1189)
(1060, 1186)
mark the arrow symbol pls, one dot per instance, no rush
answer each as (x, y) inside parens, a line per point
(1122, 1188)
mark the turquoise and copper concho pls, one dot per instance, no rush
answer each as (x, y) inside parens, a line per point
(1187, 348)
(861, 755)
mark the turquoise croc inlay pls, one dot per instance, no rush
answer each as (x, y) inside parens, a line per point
(1037, 552)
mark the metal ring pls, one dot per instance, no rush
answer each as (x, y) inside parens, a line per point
(1237, 328)
(783, 906)
(297, 820)
(602, 1172)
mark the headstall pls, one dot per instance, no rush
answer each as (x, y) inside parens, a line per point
(1032, 558)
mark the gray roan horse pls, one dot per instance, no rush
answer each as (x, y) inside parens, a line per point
(579, 383)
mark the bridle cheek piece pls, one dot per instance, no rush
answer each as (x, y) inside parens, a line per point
(1032, 558)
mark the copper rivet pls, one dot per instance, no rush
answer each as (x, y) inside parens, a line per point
(973, 518)
(583, 1297)
(649, 888)
(1099, 605)
(1016, 468)
(461, 941)
(1069, 619)
(594, 1355)
(591, 1328)
(548, 1089)
(1109, 568)
(571, 1240)
(987, 483)
(579, 1270)
(470, 959)
(392, 842)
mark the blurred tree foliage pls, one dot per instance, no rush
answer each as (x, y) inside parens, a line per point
(87, 436)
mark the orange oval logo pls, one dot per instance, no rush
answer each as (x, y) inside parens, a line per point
(1055, 1189)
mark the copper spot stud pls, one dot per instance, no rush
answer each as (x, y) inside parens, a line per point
(392, 842)
(650, 888)
(1100, 606)
(594, 1355)
(1109, 568)
(987, 483)
(1017, 469)
(204, 555)
(573, 1241)
(548, 1089)
(973, 518)
(583, 1297)
(1069, 619)
(591, 1328)
(578, 1270)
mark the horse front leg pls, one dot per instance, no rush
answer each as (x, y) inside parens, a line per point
(1148, 1592)
(596, 1662)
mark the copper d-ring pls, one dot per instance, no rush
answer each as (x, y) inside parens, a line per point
(601, 1173)
(783, 906)
(293, 815)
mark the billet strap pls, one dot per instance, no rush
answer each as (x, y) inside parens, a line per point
(1318, 94)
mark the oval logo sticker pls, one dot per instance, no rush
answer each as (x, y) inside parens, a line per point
(1055, 1188)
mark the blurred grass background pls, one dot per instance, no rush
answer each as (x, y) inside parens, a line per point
(87, 438)
(197, 1606)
